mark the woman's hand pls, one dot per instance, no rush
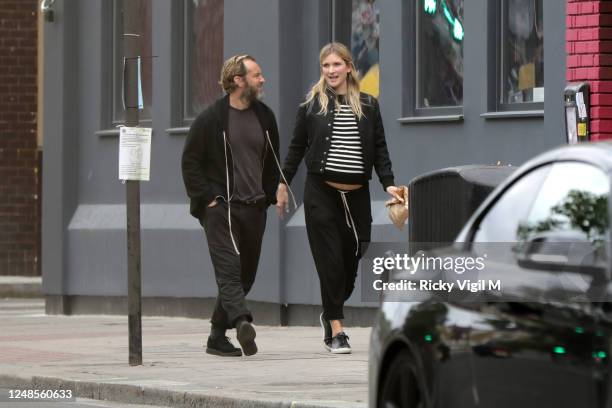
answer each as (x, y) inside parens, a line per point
(395, 192)
(282, 200)
(212, 203)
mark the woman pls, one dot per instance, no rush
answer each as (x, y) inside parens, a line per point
(340, 133)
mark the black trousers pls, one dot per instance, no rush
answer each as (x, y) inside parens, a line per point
(234, 273)
(334, 246)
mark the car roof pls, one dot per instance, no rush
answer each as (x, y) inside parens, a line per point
(598, 154)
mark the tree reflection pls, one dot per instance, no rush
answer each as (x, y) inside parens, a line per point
(578, 211)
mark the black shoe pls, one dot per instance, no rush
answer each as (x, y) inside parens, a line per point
(327, 332)
(222, 346)
(245, 333)
(340, 344)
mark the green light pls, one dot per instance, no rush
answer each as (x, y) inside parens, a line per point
(430, 6)
(599, 333)
(579, 330)
(559, 350)
(602, 354)
(428, 338)
(458, 30)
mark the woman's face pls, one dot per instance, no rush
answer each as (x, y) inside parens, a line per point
(334, 71)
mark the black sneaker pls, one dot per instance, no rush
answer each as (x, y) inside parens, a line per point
(340, 345)
(245, 333)
(222, 346)
(327, 332)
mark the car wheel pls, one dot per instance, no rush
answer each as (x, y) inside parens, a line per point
(399, 389)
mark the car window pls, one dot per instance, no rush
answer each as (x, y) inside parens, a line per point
(569, 216)
(501, 222)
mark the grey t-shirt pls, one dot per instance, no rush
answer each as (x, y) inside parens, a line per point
(248, 146)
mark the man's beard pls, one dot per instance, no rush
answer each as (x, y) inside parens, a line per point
(251, 94)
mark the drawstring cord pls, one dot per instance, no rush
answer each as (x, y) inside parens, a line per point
(348, 216)
(229, 205)
(281, 170)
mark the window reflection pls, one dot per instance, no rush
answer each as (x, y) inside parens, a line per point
(365, 32)
(440, 53)
(523, 52)
(205, 53)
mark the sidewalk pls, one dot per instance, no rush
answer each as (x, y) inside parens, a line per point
(89, 354)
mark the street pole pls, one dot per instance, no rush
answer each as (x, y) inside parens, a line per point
(131, 39)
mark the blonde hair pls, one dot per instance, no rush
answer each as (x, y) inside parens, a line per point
(352, 81)
(233, 66)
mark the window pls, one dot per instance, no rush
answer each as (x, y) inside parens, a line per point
(357, 25)
(501, 222)
(572, 206)
(439, 54)
(203, 54)
(144, 50)
(520, 68)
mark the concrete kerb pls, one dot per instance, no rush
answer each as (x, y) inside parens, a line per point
(141, 395)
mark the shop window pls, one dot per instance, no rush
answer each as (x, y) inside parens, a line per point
(522, 64)
(439, 54)
(357, 25)
(516, 38)
(203, 56)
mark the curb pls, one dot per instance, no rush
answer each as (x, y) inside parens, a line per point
(135, 394)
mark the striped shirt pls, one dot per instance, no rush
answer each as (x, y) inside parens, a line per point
(345, 159)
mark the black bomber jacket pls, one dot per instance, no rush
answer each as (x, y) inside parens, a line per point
(312, 139)
(206, 148)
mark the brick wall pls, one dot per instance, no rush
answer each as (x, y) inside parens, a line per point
(19, 186)
(589, 58)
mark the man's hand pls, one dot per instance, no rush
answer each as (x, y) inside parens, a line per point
(395, 192)
(212, 203)
(282, 200)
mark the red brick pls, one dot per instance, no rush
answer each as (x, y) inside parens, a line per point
(601, 86)
(601, 125)
(601, 99)
(599, 112)
(601, 136)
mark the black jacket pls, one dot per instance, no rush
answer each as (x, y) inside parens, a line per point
(204, 163)
(312, 138)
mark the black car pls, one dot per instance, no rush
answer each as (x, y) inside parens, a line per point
(541, 338)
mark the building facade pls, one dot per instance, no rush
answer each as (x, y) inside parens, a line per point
(20, 153)
(459, 82)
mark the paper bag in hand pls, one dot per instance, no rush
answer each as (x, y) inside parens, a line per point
(398, 211)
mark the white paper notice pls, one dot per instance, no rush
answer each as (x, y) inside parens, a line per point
(572, 132)
(134, 153)
(581, 106)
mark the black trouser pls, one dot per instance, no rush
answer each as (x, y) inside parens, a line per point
(234, 273)
(334, 246)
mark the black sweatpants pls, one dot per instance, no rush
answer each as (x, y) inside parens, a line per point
(234, 273)
(332, 239)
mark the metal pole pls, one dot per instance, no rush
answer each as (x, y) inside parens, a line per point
(131, 39)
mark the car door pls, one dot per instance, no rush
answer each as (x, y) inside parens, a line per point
(537, 346)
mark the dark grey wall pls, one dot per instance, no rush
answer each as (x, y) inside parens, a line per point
(84, 246)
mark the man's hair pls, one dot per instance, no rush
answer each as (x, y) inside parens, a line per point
(232, 67)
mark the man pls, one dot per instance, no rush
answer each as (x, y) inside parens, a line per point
(230, 172)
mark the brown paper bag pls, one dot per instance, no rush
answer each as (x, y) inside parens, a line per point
(398, 211)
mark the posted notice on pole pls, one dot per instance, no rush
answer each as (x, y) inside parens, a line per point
(134, 153)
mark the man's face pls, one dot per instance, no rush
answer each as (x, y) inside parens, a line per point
(253, 81)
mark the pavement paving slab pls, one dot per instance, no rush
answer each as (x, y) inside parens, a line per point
(89, 354)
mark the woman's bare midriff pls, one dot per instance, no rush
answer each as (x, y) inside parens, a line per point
(346, 187)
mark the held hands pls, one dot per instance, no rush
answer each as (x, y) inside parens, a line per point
(282, 200)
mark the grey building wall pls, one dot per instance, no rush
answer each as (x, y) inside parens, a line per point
(84, 244)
